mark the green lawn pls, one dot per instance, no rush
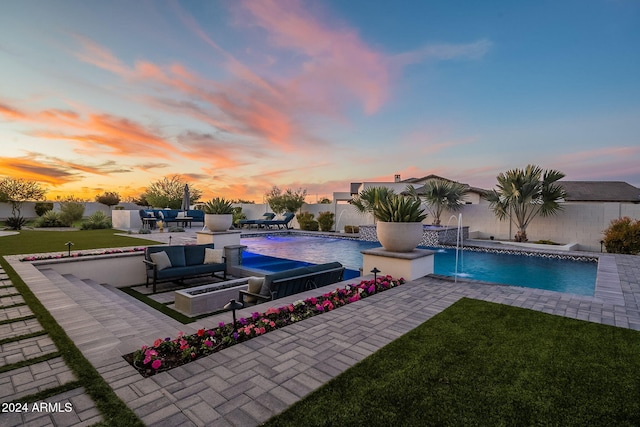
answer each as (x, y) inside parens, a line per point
(32, 241)
(480, 363)
(113, 410)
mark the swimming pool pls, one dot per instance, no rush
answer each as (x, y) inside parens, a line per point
(560, 275)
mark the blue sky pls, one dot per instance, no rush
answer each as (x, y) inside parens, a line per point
(238, 96)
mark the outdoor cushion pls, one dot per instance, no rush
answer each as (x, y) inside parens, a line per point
(161, 259)
(322, 267)
(255, 286)
(194, 254)
(213, 256)
(176, 255)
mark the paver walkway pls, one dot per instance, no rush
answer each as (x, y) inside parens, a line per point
(30, 364)
(249, 382)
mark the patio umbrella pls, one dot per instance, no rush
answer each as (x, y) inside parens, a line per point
(185, 198)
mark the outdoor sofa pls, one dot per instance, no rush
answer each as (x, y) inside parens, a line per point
(178, 262)
(172, 215)
(290, 282)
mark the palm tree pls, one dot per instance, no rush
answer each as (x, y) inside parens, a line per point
(523, 194)
(370, 198)
(441, 194)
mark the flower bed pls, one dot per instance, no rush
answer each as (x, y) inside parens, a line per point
(79, 254)
(169, 353)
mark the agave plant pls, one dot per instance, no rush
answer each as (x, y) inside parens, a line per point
(397, 208)
(218, 206)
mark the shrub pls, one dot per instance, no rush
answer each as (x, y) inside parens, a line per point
(238, 216)
(351, 229)
(71, 212)
(306, 221)
(97, 221)
(144, 231)
(174, 229)
(325, 219)
(50, 219)
(623, 236)
(43, 207)
(15, 222)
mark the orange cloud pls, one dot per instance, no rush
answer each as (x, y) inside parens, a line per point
(35, 170)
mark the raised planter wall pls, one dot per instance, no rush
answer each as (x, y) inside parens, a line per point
(430, 236)
(119, 270)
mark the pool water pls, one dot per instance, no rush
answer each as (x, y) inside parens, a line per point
(269, 264)
(567, 276)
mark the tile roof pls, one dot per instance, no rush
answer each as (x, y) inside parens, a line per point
(600, 191)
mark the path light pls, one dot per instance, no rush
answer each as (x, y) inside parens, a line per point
(234, 305)
(375, 272)
(69, 244)
(169, 240)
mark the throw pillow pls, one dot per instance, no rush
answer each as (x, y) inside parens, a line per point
(213, 256)
(180, 215)
(160, 214)
(255, 285)
(161, 259)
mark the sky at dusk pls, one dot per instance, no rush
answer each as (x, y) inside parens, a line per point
(238, 96)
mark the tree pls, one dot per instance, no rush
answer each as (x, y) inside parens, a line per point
(441, 194)
(109, 198)
(17, 191)
(523, 194)
(325, 201)
(168, 192)
(289, 201)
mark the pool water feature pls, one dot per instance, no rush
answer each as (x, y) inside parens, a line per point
(560, 275)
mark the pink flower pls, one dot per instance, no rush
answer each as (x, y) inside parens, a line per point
(156, 364)
(147, 360)
(208, 343)
(272, 324)
(157, 342)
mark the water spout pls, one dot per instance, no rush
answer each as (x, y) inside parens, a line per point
(459, 246)
(336, 229)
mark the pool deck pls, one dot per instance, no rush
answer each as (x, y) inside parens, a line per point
(246, 384)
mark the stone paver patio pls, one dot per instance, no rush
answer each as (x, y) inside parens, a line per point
(249, 382)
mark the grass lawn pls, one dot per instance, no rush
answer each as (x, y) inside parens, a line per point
(33, 241)
(113, 410)
(479, 363)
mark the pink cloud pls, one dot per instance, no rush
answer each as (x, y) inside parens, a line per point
(334, 59)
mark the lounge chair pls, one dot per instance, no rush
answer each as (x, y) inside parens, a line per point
(281, 223)
(249, 222)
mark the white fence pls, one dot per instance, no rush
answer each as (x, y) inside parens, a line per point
(581, 223)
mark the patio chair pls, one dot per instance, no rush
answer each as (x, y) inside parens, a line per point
(281, 223)
(268, 216)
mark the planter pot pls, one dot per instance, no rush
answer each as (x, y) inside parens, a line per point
(399, 236)
(218, 222)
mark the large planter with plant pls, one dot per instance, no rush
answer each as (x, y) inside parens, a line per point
(399, 227)
(218, 214)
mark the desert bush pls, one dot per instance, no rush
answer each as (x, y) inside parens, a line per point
(174, 229)
(306, 221)
(325, 219)
(50, 219)
(623, 236)
(43, 207)
(144, 231)
(96, 221)
(71, 212)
